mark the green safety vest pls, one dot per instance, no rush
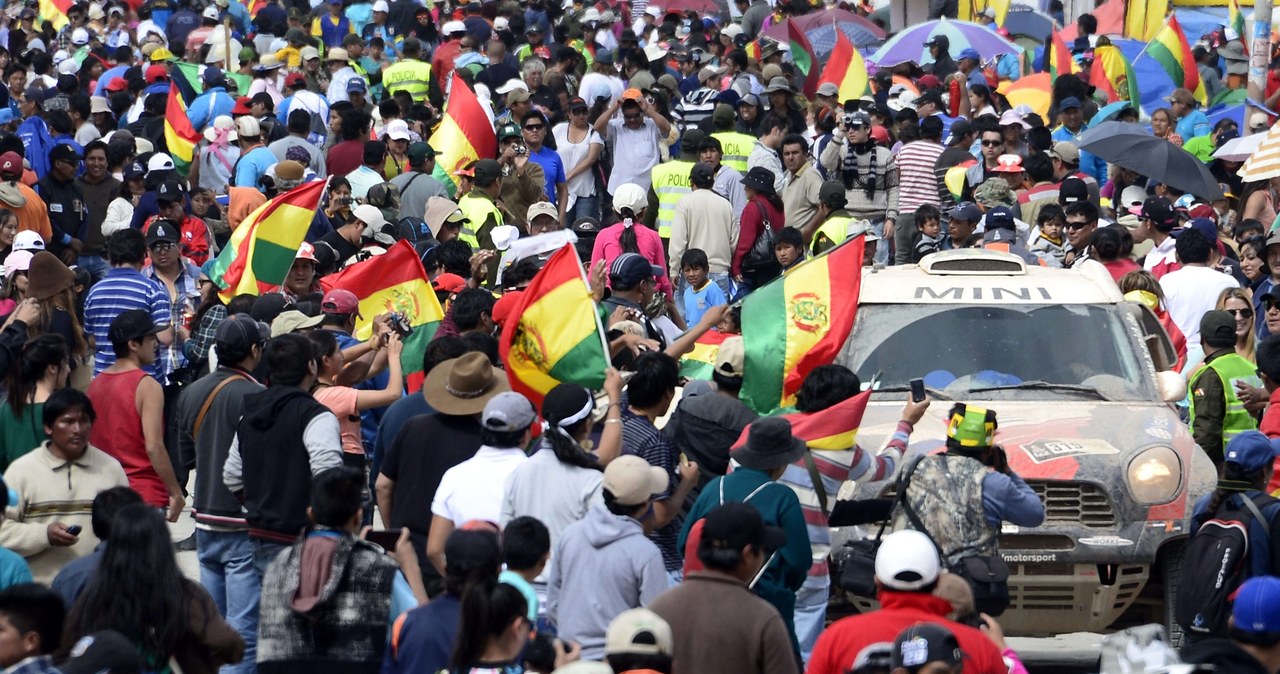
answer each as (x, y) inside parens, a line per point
(835, 229)
(1230, 368)
(409, 75)
(477, 206)
(737, 147)
(670, 183)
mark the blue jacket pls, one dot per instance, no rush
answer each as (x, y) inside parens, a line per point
(208, 105)
(1089, 163)
(37, 142)
(1194, 124)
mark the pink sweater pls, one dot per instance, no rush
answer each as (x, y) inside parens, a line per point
(607, 248)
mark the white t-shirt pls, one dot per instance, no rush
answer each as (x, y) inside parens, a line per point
(474, 489)
(595, 85)
(635, 153)
(572, 154)
(1189, 293)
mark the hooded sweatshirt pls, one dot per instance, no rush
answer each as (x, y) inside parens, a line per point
(602, 566)
(1224, 655)
(705, 426)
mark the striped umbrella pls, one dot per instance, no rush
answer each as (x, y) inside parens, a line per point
(1264, 163)
(908, 46)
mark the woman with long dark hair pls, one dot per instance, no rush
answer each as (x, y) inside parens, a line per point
(42, 369)
(493, 628)
(209, 315)
(139, 591)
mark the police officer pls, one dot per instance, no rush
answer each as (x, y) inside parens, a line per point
(838, 224)
(869, 174)
(413, 75)
(671, 182)
(1217, 415)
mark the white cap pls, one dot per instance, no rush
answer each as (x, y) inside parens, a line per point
(655, 12)
(369, 214)
(36, 44)
(592, 14)
(68, 67)
(248, 127)
(511, 85)
(630, 195)
(451, 27)
(210, 12)
(731, 31)
(223, 123)
(1132, 197)
(98, 104)
(381, 6)
(28, 240)
(907, 561)
(397, 129)
(61, 55)
(1259, 121)
(79, 36)
(501, 22)
(160, 162)
(503, 236)
(216, 53)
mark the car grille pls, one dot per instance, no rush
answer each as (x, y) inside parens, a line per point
(1075, 502)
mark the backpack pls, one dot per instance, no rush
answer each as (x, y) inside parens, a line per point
(1218, 550)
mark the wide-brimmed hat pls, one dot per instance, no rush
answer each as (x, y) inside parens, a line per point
(770, 445)
(464, 384)
(48, 276)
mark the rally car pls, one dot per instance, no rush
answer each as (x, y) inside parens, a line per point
(1081, 382)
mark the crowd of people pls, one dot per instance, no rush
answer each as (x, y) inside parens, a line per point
(346, 517)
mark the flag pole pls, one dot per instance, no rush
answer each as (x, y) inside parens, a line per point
(604, 342)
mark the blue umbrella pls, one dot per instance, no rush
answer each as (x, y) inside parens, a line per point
(1023, 20)
(908, 46)
(1108, 112)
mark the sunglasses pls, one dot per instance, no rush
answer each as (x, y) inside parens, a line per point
(1242, 313)
(631, 118)
(534, 127)
(1077, 225)
(1271, 304)
(992, 143)
(578, 111)
(163, 247)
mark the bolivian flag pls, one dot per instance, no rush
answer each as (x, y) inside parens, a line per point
(554, 334)
(1112, 74)
(55, 12)
(1057, 58)
(798, 322)
(464, 135)
(1170, 49)
(394, 282)
(845, 69)
(701, 361)
(833, 429)
(261, 250)
(180, 137)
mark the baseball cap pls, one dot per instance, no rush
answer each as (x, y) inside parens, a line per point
(734, 526)
(293, 320)
(1218, 327)
(508, 131)
(441, 210)
(64, 152)
(1181, 95)
(965, 210)
(999, 217)
(18, 260)
(294, 79)
(702, 174)
(543, 208)
(1068, 103)
(923, 643)
(1160, 212)
(449, 283)
(731, 356)
(1066, 151)
(419, 152)
(968, 53)
(629, 269)
(162, 231)
(169, 190)
(10, 165)
(930, 96)
(508, 412)
(160, 162)
(355, 85)
(1008, 163)
(397, 129)
(105, 651)
(633, 481)
(639, 631)
(1257, 605)
(959, 129)
(1073, 189)
(486, 171)
(907, 561)
(1011, 117)
(829, 89)
(341, 302)
(1251, 450)
(28, 240)
(237, 335)
(370, 215)
(156, 73)
(1258, 121)
(1132, 197)
(306, 251)
(209, 12)
(132, 324)
(307, 53)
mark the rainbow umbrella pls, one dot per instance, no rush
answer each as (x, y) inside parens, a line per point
(1033, 91)
(908, 46)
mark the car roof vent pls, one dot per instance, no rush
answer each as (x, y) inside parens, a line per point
(973, 262)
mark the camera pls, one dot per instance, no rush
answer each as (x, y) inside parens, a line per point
(400, 323)
(522, 150)
(344, 201)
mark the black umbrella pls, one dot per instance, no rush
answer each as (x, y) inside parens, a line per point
(1133, 147)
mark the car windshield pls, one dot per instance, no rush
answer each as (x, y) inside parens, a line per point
(1000, 352)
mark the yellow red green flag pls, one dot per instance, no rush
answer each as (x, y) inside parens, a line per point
(261, 250)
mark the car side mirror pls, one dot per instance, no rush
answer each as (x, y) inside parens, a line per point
(1171, 385)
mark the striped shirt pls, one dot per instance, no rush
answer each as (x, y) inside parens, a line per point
(917, 182)
(834, 468)
(643, 439)
(122, 289)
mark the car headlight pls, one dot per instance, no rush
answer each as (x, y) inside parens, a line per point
(1155, 475)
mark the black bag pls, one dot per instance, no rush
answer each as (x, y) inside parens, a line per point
(1219, 550)
(760, 260)
(854, 563)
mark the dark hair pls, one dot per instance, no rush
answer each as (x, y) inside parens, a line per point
(126, 246)
(105, 506)
(795, 139)
(1108, 243)
(481, 564)
(1038, 166)
(487, 611)
(788, 236)
(323, 344)
(1087, 24)
(64, 400)
(494, 438)
(521, 273)
(656, 375)
(288, 358)
(931, 128)
(726, 383)
(620, 509)
(299, 121)
(927, 212)
(774, 121)
(825, 386)
(469, 306)
(1258, 245)
(388, 108)
(1049, 212)
(455, 256)
(627, 662)
(441, 349)
(525, 541)
(336, 495)
(59, 121)
(1259, 639)
(1267, 357)
(1085, 208)
(32, 607)
(1192, 247)
(716, 558)
(1246, 225)
(155, 613)
(38, 355)
(354, 124)
(485, 343)
(695, 258)
(241, 304)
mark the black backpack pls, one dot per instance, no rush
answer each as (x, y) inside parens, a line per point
(1215, 563)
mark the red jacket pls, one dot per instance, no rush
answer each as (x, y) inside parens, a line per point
(1270, 427)
(840, 644)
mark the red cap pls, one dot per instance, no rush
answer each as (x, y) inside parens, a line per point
(118, 84)
(339, 301)
(294, 79)
(242, 106)
(879, 134)
(10, 165)
(505, 305)
(157, 73)
(448, 282)
(928, 82)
